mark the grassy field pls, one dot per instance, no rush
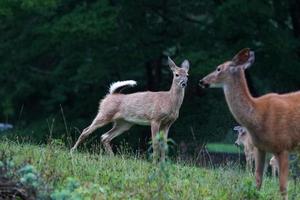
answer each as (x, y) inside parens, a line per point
(125, 176)
(220, 147)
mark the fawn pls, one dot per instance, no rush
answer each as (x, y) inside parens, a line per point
(156, 109)
(273, 120)
(244, 139)
(274, 165)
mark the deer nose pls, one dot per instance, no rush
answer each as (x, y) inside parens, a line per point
(236, 144)
(203, 84)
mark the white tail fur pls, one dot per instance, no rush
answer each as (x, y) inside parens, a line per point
(114, 86)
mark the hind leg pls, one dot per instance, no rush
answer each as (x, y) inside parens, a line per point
(118, 128)
(98, 122)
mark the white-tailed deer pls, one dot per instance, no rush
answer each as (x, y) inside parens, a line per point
(156, 109)
(244, 139)
(273, 120)
(275, 166)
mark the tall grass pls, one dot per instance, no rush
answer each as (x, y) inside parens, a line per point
(126, 176)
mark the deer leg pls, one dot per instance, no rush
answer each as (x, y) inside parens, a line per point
(283, 161)
(252, 162)
(154, 131)
(98, 122)
(259, 166)
(165, 130)
(248, 162)
(273, 171)
(118, 128)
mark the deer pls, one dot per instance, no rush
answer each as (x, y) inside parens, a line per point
(272, 120)
(156, 109)
(244, 139)
(274, 165)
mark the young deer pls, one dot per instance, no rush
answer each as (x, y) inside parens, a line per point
(273, 120)
(244, 139)
(274, 166)
(156, 109)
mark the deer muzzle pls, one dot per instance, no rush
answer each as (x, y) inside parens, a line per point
(183, 83)
(203, 84)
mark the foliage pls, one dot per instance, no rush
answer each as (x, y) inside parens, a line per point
(219, 147)
(58, 54)
(21, 180)
(83, 175)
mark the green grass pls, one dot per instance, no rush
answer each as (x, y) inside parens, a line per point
(221, 147)
(128, 177)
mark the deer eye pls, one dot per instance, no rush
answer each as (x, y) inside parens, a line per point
(176, 75)
(218, 69)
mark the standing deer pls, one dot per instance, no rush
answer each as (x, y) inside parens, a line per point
(244, 139)
(156, 109)
(274, 166)
(273, 120)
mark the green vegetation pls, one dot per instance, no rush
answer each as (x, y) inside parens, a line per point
(95, 175)
(220, 147)
(61, 55)
(58, 57)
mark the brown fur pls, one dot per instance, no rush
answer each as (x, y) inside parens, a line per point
(273, 120)
(156, 109)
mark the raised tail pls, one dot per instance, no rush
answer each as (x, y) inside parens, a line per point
(119, 84)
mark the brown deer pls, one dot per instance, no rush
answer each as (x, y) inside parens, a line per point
(244, 139)
(273, 120)
(156, 109)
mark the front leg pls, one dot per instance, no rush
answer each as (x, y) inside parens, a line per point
(154, 131)
(165, 130)
(283, 162)
(259, 166)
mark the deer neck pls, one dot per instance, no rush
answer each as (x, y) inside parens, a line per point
(240, 101)
(176, 95)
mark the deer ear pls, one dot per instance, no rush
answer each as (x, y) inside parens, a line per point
(237, 128)
(245, 58)
(241, 57)
(185, 65)
(171, 64)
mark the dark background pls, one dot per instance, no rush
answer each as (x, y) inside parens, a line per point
(58, 58)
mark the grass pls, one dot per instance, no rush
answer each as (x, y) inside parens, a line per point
(221, 147)
(126, 176)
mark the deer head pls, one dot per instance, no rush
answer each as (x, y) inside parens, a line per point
(180, 74)
(224, 72)
(242, 135)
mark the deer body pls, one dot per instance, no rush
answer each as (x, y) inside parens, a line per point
(272, 120)
(143, 107)
(156, 109)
